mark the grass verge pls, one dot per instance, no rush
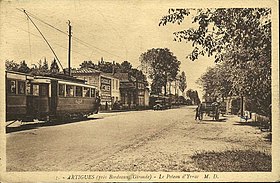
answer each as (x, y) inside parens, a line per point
(233, 161)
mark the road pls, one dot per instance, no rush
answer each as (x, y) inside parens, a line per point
(128, 141)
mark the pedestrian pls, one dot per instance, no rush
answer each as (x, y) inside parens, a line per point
(106, 106)
(98, 103)
(197, 112)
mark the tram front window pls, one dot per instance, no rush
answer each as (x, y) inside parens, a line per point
(11, 87)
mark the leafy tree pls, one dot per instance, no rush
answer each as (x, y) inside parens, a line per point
(54, 67)
(237, 34)
(45, 66)
(232, 80)
(162, 66)
(182, 82)
(87, 64)
(240, 37)
(11, 65)
(193, 95)
(23, 67)
(126, 66)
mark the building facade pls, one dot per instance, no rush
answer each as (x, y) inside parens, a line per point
(107, 84)
(133, 93)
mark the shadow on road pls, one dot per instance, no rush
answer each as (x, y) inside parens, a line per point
(211, 120)
(27, 126)
(247, 124)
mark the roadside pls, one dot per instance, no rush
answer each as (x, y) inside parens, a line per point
(177, 148)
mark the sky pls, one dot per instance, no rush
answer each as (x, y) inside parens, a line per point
(114, 30)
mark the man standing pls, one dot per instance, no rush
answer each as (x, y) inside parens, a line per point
(198, 111)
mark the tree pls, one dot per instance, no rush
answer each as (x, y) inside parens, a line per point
(45, 66)
(87, 64)
(237, 34)
(240, 37)
(193, 95)
(182, 82)
(162, 66)
(11, 65)
(126, 66)
(23, 67)
(54, 67)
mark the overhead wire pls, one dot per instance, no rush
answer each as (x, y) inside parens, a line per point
(33, 34)
(45, 40)
(29, 39)
(73, 37)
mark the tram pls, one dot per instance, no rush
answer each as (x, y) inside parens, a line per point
(48, 97)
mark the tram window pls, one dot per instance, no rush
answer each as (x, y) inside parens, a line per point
(86, 92)
(28, 88)
(43, 90)
(21, 87)
(36, 90)
(79, 91)
(69, 91)
(92, 93)
(11, 87)
(61, 88)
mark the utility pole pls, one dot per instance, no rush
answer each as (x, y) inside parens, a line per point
(69, 48)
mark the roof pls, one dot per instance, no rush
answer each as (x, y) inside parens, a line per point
(109, 75)
(122, 76)
(85, 71)
(63, 77)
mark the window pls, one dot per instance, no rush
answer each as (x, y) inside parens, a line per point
(92, 92)
(79, 91)
(86, 92)
(36, 90)
(61, 90)
(44, 89)
(69, 91)
(28, 88)
(11, 87)
(21, 87)
(116, 84)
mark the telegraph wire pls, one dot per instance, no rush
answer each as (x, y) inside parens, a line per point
(73, 37)
(44, 39)
(37, 18)
(40, 38)
(29, 39)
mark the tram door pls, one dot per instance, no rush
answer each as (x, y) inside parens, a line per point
(29, 99)
(53, 103)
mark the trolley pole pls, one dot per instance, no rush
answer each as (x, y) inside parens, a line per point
(69, 49)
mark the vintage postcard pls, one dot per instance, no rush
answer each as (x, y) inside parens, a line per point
(139, 91)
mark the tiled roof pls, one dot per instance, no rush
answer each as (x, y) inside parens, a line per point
(84, 71)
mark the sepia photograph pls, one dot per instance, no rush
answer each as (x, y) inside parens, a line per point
(139, 91)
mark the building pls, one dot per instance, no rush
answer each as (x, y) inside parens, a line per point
(134, 93)
(107, 84)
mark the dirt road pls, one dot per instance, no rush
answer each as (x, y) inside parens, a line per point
(129, 141)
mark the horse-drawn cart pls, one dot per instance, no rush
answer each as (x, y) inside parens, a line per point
(211, 109)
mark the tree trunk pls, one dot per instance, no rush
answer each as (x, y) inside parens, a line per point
(165, 89)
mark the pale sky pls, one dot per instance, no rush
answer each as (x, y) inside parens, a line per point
(114, 30)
